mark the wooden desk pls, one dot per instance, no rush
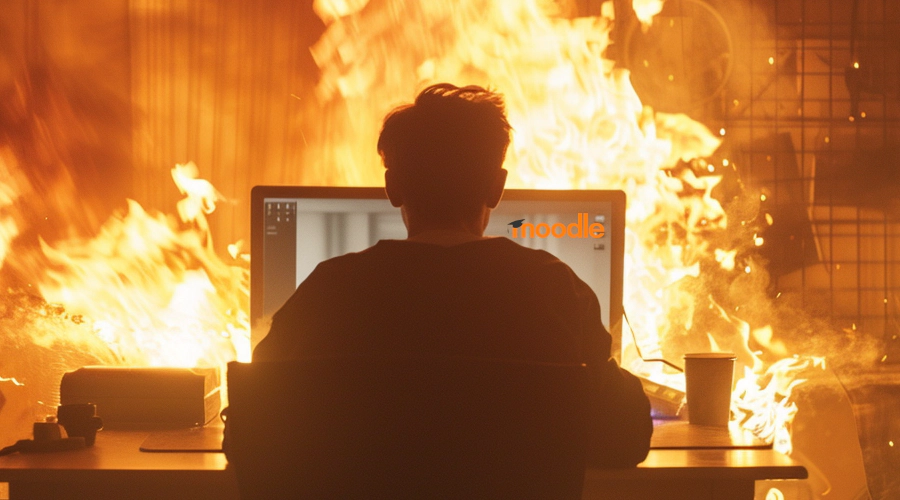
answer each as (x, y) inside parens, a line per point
(680, 435)
(691, 462)
(694, 474)
(116, 468)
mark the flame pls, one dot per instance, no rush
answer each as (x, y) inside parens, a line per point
(9, 193)
(762, 403)
(578, 124)
(153, 291)
(145, 290)
(200, 195)
(646, 10)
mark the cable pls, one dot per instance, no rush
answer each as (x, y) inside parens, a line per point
(31, 446)
(9, 450)
(637, 346)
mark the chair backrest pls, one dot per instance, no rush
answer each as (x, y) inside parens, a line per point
(404, 427)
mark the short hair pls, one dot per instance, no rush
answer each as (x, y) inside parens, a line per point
(445, 149)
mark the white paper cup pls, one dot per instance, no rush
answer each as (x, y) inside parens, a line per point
(708, 380)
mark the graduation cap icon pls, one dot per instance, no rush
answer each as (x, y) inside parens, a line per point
(516, 223)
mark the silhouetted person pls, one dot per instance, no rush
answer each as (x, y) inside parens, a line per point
(447, 290)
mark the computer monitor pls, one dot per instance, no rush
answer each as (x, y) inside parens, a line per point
(293, 228)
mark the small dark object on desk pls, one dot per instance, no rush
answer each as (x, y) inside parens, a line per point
(80, 420)
(47, 438)
(206, 439)
(64, 444)
(665, 401)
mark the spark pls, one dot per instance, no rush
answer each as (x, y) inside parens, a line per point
(13, 380)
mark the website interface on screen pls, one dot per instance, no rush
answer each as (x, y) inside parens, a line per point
(300, 233)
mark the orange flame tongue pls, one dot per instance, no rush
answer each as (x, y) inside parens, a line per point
(156, 294)
(9, 193)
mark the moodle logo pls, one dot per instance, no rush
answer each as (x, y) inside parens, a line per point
(580, 229)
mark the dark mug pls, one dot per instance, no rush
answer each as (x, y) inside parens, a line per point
(80, 420)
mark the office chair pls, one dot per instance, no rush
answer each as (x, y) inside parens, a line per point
(406, 427)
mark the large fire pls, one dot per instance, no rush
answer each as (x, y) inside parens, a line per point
(153, 292)
(148, 289)
(693, 281)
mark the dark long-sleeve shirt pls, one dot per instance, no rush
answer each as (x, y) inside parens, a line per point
(490, 298)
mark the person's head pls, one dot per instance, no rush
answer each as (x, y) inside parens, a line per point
(444, 154)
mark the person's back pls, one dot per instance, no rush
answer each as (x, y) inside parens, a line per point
(492, 298)
(449, 291)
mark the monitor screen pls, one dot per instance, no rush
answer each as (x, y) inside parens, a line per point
(293, 228)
